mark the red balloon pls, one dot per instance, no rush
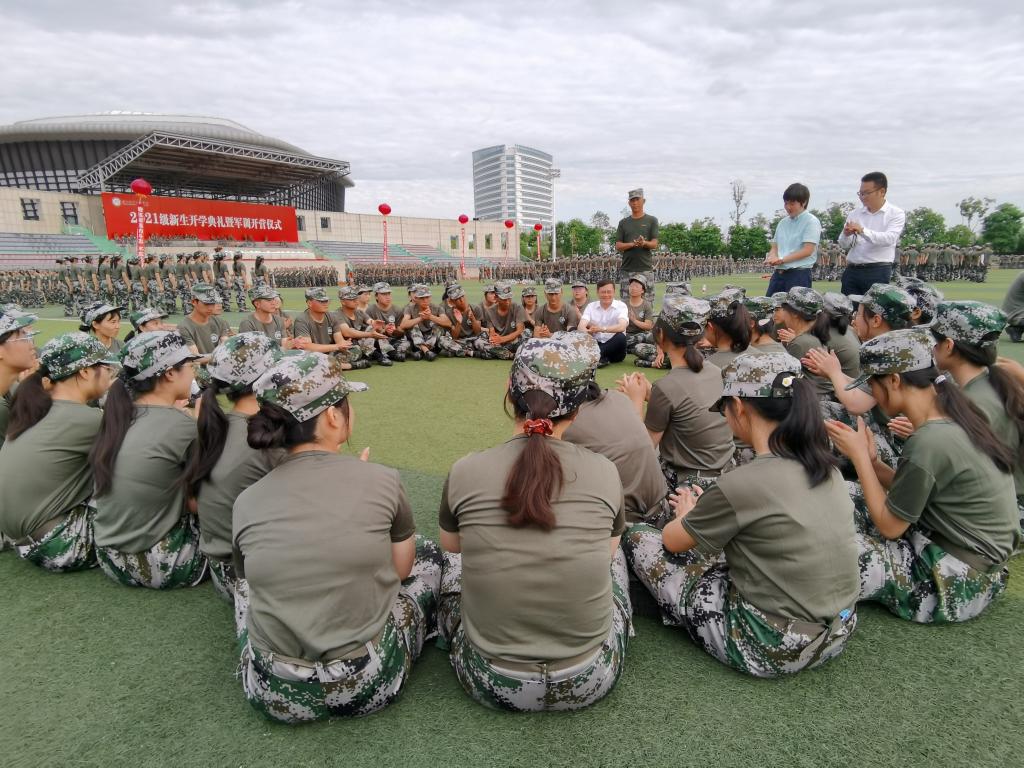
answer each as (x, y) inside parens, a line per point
(463, 219)
(384, 209)
(141, 187)
(538, 226)
(509, 223)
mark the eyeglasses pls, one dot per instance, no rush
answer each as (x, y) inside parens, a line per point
(863, 194)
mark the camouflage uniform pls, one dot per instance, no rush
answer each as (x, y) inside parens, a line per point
(378, 350)
(238, 282)
(174, 561)
(137, 295)
(482, 344)
(68, 546)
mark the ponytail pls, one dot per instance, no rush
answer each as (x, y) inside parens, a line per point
(273, 427)
(31, 403)
(213, 432)
(821, 328)
(840, 323)
(736, 326)
(537, 476)
(691, 355)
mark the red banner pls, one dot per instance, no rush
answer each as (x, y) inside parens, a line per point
(185, 217)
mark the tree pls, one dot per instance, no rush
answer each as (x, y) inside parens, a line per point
(959, 235)
(1002, 228)
(706, 238)
(972, 208)
(763, 222)
(528, 246)
(739, 194)
(601, 221)
(832, 219)
(576, 237)
(923, 226)
(747, 242)
(675, 237)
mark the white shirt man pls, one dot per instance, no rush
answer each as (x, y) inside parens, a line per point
(611, 316)
(870, 235)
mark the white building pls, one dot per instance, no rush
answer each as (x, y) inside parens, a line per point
(514, 182)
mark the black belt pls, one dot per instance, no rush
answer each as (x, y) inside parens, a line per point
(867, 266)
(792, 269)
(976, 560)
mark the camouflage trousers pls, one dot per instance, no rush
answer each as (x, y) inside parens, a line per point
(239, 285)
(642, 345)
(490, 683)
(624, 278)
(677, 476)
(455, 347)
(137, 297)
(185, 295)
(915, 578)
(170, 301)
(294, 690)
(488, 351)
(420, 339)
(174, 561)
(697, 593)
(120, 294)
(69, 546)
(887, 453)
(155, 297)
(224, 578)
(375, 347)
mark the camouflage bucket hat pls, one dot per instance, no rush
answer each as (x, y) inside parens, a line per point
(759, 307)
(806, 301)
(13, 319)
(837, 304)
(756, 374)
(529, 290)
(316, 294)
(561, 366)
(642, 279)
(503, 290)
(348, 293)
(722, 304)
(684, 289)
(889, 301)
(552, 285)
(205, 293)
(685, 315)
(421, 292)
(969, 322)
(263, 291)
(305, 385)
(894, 352)
(155, 352)
(96, 310)
(143, 316)
(455, 292)
(243, 358)
(69, 353)
(381, 288)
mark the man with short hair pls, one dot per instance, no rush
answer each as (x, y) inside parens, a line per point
(355, 325)
(466, 326)
(606, 320)
(555, 315)
(635, 238)
(314, 329)
(424, 322)
(263, 319)
(384, 310)
(870, 235)
(794, 248)
(203, 329)
(505, 323)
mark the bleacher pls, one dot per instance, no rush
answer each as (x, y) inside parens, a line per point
(41, 250)
(364, 253)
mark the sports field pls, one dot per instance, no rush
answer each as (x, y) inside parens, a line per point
(95, 674)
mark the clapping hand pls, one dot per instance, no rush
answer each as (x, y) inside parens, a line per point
(684, 499)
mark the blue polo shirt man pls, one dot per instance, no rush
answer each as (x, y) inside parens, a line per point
(794, 248)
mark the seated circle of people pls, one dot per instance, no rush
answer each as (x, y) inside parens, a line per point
(335, 592)
(534, 601)
(46, 481)
(934, 534)
(761, 567)
(606, 320)
(146, 536)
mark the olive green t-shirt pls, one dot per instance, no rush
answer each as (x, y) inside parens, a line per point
(799, 347)
(319, 333)
(239, 467)
(847, 349)
(5, 412)
(503, 325)
(771, 347)
(530, 595)
(636, 259)
(313, 538)
(722, 357)
(565, 319)
(694, 437)
(944, 484)
(46, 471)
(205, 337)
(610, 426)
(791, 549)
(644, 312)
(147, 498)
(982, 394)
(272, 330)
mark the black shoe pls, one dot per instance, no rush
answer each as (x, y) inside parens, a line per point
(383, 360)
(430, 356)
(1014, 332)
(603, 363)
(398, 357)
(360, 365)
(416, 355)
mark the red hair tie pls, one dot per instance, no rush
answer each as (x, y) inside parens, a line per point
(538, 427)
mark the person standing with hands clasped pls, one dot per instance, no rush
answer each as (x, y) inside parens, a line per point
(870, 235)
(794, 249)
(635, 238)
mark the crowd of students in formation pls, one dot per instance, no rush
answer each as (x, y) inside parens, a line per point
(803, 454)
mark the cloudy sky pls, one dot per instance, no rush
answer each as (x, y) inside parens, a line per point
(680, 100)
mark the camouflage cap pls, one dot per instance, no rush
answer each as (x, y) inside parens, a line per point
(633, 193)
(899, 351)
(263, 291)
(455, 292)
(96, 310)
(143, 316)
(69, 353)
(757, 374)
(363, 288)
(348, 293)
(759, 307)
(552, 285)
(561, 366)
(316, 294)
(205, 293)
(969, 322)
(529, 290)
(684, 289)
(640, 278)
(155, 352)
(837, 304)
(489, 288)
(13, 319)
(503, 290)
(722, 304)
(421, 292)
(243, 358)
(778, 297)
(926, 296)
(578, 284)
(381, 288)
(806, 301)
(685, 315)
(889, 301)
(305, 385)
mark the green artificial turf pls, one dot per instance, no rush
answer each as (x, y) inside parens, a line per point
(95, 674)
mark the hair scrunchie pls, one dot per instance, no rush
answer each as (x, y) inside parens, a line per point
(538, 427)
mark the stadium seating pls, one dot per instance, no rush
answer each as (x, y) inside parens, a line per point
(364, 252)
(40, 250)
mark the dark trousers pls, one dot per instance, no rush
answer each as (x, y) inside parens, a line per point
(857, 278)
(613, 350)
(784, 279)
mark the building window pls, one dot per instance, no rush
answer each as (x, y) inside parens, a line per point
(453, 243)
(69, 212)
(300, 223)
(29, 209)
(325, 222)
(504, 240)
(471, 244)
(488, 242)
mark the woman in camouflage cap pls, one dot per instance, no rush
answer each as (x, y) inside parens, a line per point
(782, 597)
(762, 324)
(535, 616)
(146, 535)
(806, 327)
(103, 321)
(335, 592)
(46, 482)
(728, 328)
(936, 532)
(842, 339)
(966, 341)
(17, 355)
(223, 465)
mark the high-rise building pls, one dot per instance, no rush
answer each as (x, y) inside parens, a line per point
(514, 182)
